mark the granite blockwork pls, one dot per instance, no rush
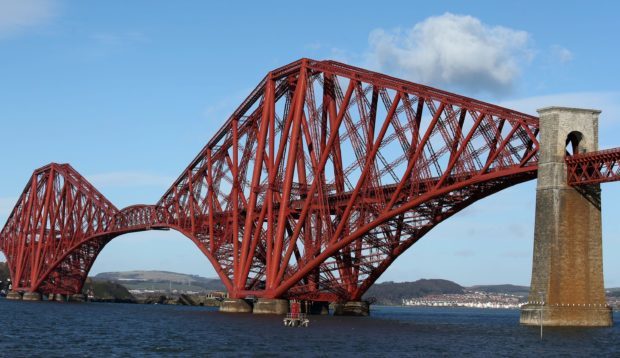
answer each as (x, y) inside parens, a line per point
(236, 305)
(352, 308)
(567, 272)
(271, 306)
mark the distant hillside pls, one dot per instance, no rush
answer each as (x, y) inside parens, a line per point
(4, 271)
(161, 279)
(392, 293)
(511, 289)
(613, 292)
(4, 275)
(107, 291)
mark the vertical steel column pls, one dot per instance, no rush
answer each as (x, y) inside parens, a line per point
(235, 200)
(296, 114)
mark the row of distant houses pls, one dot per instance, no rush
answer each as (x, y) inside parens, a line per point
(209, 294)
(469, 299)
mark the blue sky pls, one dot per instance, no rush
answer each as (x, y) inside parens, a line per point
(129, 92)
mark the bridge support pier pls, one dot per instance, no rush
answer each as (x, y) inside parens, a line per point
(352, 308)
(577, 315)
(235, 305)
(271, 306)
(78, 297)
(318, 308)
(31, 296)
(14, 295)
(567, 272)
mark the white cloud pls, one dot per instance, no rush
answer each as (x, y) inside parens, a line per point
(16, 15)
(561, 54)
(129, 179)
(452, 50)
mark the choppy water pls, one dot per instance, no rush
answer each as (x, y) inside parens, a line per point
(53, 329)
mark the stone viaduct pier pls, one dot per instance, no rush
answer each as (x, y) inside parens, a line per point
(567, 273)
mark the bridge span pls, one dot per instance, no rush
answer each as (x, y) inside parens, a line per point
(321, 178)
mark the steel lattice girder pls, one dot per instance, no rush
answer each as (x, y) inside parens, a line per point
(594, 167)
(320, 179)
(56, 212)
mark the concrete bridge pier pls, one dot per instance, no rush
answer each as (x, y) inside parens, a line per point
(567, 272)
(320, 308)
(59, 297)
(31, 296)
(77, 297)
(271, 306)
(352, 308)
(235, 305)
(14, 295)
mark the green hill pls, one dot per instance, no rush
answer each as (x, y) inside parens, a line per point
(106, 291)
(613, 292)
(392, 293)
(4, 275)
(511, 289)
(134, 280)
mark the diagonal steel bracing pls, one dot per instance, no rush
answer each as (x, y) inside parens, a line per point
(320, 179)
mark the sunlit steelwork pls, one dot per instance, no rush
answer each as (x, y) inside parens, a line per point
(319, 180)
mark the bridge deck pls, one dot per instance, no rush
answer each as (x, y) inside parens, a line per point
(594, 167)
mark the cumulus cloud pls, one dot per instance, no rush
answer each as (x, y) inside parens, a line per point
(452, 50)
(17, 15)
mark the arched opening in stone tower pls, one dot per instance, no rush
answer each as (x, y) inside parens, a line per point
(573, 141)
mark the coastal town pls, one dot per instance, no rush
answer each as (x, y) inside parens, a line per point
(172, 288)
(472, 299)
(476, 299)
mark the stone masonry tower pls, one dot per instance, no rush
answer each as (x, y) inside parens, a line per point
(567, 272)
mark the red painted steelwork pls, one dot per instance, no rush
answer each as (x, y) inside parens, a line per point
(594, 167)
(320, 179)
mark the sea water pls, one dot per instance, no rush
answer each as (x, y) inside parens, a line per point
(51, 329)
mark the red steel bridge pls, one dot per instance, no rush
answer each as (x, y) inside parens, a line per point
(319, 180)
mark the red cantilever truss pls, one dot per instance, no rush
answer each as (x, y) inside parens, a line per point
(594, 168)
(43, 240)
(320, 179)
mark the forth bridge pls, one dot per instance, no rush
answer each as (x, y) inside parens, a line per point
(322, 177)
